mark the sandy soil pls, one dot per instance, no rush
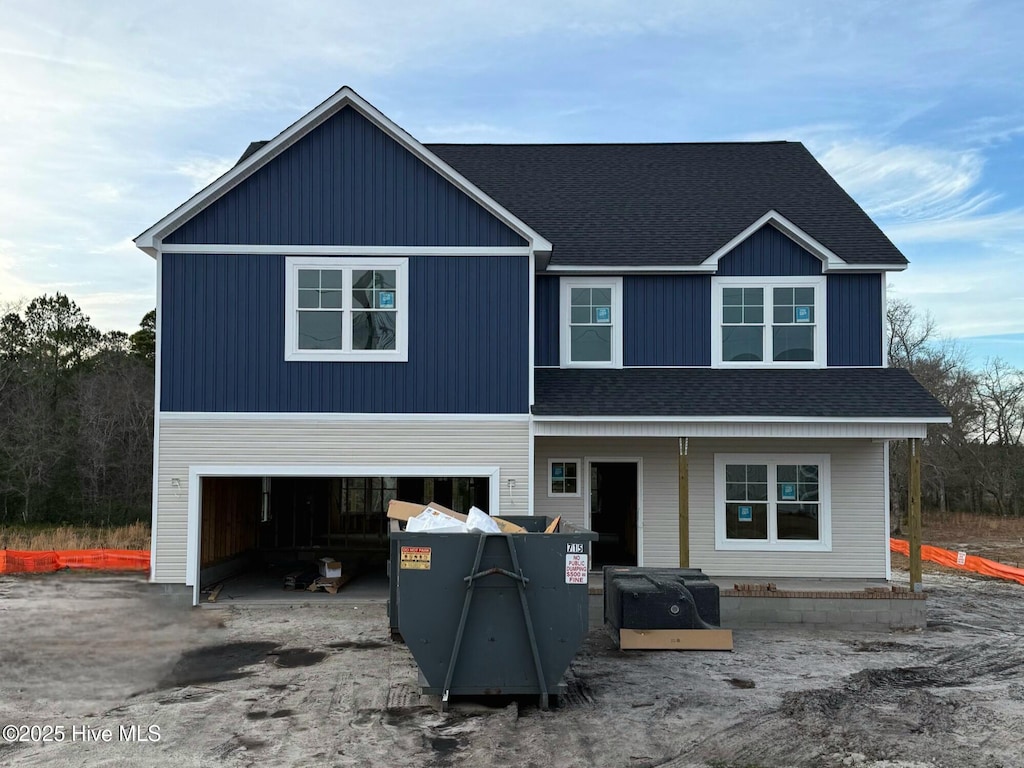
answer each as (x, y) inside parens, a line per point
(324, 686)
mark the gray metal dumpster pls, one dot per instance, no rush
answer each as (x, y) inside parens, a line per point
(489, 614)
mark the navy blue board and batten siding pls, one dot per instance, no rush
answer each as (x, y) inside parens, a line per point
(223, 341)
(667, 317)
(546, 319)
(346, 183)
(855, 319)
(666, 320)
(768, 253)
(854, 301)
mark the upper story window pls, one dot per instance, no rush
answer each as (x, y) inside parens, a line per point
(768, 321)
(346, 309)
(591, 322)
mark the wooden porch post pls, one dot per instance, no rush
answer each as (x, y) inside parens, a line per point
(914, 511)
(684, 502)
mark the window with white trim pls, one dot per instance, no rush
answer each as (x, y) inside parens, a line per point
(780, 502)
(591, 322)
(563, 477)
(769, 321)
(346, 309)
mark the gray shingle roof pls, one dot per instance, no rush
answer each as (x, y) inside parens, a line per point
(701, 392)
(666, 204)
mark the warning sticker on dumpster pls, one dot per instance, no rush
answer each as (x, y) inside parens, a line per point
(575, 569)
(416, 558)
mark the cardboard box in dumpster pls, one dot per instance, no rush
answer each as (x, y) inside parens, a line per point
(403, 510)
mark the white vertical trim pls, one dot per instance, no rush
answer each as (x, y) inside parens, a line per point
(493, 490)
(888, 511)
(565, 286)
(531, 452)
(157, 329)
(532, 327)
(192, 542)
(639, 461)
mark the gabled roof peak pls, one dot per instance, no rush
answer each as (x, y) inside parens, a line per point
(259, 154)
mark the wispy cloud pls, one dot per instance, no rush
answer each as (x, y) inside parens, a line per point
(114, 113)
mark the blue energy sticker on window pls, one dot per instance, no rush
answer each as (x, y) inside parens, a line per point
(746, 514)
(803, 314)
(557, 472)
(788, 492)
(602, 314)
(387, 299)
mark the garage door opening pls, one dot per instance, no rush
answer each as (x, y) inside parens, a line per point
(261, 538)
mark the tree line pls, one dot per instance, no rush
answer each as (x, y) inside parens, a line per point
(76, 419)
(976, 463)
(76, 416)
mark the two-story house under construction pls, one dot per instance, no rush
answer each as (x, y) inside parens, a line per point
(679, 346)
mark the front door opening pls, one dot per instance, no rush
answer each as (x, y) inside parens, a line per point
(613, 512)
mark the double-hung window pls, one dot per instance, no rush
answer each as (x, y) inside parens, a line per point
(591, 322)
(346, 309)
(779, 502)
(769, 321)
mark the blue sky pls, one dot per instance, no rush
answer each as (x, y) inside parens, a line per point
(114, 113)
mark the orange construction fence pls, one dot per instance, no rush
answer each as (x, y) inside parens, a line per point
(14, 561)
(961, 560)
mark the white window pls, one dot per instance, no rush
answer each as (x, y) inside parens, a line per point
(779, 502)
(346, 309)
(776, 322)
(591, 322)
(563, 477)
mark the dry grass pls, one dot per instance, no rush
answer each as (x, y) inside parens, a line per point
(61, 537)
(966, 527)
(994, 538)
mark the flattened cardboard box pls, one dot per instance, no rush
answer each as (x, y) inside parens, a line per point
(403, 510)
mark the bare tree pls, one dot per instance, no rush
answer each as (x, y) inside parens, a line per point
(997, 452)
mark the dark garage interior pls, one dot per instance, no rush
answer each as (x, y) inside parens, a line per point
(258, 532)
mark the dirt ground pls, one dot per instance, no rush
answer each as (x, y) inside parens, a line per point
(324, 686)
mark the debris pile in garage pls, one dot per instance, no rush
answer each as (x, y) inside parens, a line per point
(434, 518)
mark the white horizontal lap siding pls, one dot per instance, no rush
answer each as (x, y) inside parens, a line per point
(858, 512)
(286, 443)
(660, 527)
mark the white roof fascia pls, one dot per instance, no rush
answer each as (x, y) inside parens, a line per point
(149, 240)
(757, 419)
(867, 430)
(570, 269)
